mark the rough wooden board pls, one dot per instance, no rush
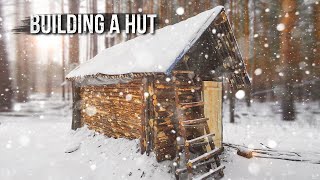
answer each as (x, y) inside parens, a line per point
(212, 109)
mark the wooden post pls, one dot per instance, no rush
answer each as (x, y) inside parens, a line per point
(150, 111)
(76, 118)
(144, 115)
(212, 93)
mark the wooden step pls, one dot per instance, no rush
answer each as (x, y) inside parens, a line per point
(198, 144)
(188, 88)
(183, 72)
(194, 125)
(203, 143)
(204, 156)
(182, 170)
(211, 172)
(194, 121)
(190, 105)
(191, 141)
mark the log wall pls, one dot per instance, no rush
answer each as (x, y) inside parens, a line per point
(115, 110)
(164, 131)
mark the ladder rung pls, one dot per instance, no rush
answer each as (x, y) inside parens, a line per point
(200, 143)
(183, 72)
(189, 88)
(192, 104)
(193, 125)
(199, 138)
(204, 156)
(182, 170)
(195, 121)
(211, 171)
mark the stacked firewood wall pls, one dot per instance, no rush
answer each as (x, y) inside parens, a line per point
(115, 110)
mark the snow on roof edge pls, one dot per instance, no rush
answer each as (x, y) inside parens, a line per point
(76, 73)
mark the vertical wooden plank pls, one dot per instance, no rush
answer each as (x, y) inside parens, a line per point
(212, 92)
(144, 114)
(149, 114)
(76, 120)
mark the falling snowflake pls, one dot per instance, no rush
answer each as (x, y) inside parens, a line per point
(258, 72)
(267, 10)
(272, 144)
(254, 168)
(240, 94)
(180, 11)
(168, 79)
(24, 140)
(214, 31)
(93, 167)
(166, 21)
(281, 27)
(91, 110)
(17, 107)
(146, 94)
(128, 97)
(281, 74)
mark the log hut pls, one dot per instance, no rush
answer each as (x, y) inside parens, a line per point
(164, 89)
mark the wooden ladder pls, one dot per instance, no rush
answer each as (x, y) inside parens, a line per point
(186, 148)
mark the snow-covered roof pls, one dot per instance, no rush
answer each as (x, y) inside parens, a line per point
(149, 53)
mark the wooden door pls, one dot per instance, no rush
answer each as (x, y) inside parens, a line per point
(212, 96)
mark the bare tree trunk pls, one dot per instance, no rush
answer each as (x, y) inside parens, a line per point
(108, 9)
(21, 61)
(207, 4)
(94, 36)
(6, 93)
(196, 7)
(183, 4)
(254, 50)
(316, 19)
(232, 104)
(49, 73)
(231, 93)
(289, 8)
(247, 46)
(163, 12)
(63, 72)
(74, 39)
(222, 2)
(129, 10)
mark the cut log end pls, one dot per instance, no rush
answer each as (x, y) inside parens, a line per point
(244, 152)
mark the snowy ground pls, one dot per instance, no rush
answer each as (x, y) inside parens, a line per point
(260, 126)
(34, 141)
